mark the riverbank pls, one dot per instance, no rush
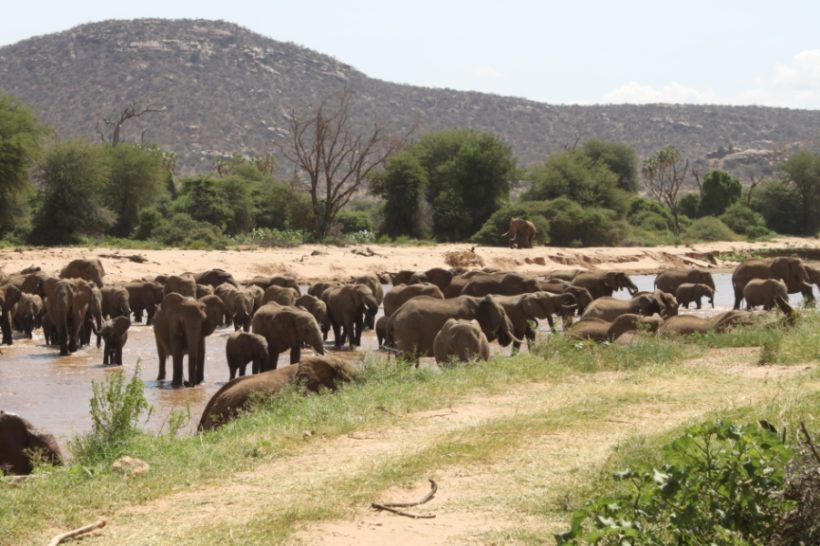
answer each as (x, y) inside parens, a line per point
(309, 263)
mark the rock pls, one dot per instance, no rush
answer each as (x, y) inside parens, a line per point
(130, 467)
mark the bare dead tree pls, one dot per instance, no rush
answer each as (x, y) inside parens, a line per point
(113, 128)
(335, 158)
(751, 189)
(664, 174)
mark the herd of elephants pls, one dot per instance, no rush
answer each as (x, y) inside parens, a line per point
(444, 313)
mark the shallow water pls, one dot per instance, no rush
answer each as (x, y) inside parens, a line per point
(53, 392)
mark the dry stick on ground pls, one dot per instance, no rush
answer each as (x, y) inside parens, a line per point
(808, 441)
(392, 506)
(76, 532)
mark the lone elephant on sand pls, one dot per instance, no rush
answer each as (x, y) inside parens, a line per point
(521, 233)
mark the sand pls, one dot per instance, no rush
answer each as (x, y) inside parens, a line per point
(309, 263)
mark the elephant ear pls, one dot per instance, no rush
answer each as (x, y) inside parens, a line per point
(533, 306)
(488, 317)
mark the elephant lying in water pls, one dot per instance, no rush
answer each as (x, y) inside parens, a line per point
(236, 395)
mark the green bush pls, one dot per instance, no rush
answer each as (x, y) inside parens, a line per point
(710, 228)
(689, 205)
(354, 221)
(743, 220)
(779, 205)
(271, 237)
(116, 408)
(719, 484)
(185, 232)
(150, 221)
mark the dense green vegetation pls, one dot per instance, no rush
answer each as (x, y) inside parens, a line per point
(452, 185)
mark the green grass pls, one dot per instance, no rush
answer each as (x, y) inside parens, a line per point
(68, 497)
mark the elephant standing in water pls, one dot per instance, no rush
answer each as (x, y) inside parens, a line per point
(521, 233)
(790, 270)
(180, 327)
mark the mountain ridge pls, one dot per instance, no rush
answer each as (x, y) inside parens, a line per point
(225, 88)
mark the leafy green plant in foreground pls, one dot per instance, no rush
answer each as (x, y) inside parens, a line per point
(719, 484)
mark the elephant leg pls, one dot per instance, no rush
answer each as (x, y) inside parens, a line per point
(357, 326)
(738, 297)
(137, 314)
(338, 337)
(200, 362)
(149, 313)
(176, 359)
(295, 353)
(5, 323)
(697, 303)
(273, 357)
(163, 356)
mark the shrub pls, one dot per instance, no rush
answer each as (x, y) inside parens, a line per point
(271, 237)
(183, 231)
(710, 228)
(354, 221)
(743, 220)
(150, 220)
(689, 205)
(719, 484)
(116, 408)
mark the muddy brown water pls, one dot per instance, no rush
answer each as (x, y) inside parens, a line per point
(53, 392)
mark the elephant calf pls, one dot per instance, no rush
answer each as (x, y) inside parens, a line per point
(460, 340)
(243, 347)
(764, 292)
(114, 333)
(235, 396)
(20, 442)
(693, 292)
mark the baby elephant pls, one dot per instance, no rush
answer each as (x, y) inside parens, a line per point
(460, 340)
(764, 292)
(244, 347)
(114, 333)
(693, 292)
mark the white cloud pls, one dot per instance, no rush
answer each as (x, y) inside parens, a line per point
(803, 72)
(487, 73)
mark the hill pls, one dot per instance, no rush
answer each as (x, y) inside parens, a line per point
(224, 88)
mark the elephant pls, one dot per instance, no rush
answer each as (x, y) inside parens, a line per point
(404, 292)
(347, 306)
(670, 279)
(436, 275)
(564, 274)
(629, 322)
(59, 301)
(203, 290)
(9, 296)
(238, 394)
(114, 333)
(458, 282)
(604, 283)
(693, 292)
(690, 324)
(144, 296)
(415, 324)
(28, 313)
(283, 295)
(241, 305)
(521, 233)
(244, 347)
(23, 444)
(32, 282)
(591, 328)
(317, 289)
(381, 331)
(93, 317)
(276, 280)
(226, 292)
(764, 292)
(88, 269)
(401, 277)
(789, 270)
(372, 282)
(506, 284)
(181, 325)
(609, 308)
(314, 306)
(814, 274)
(286, 327)
(181, 284)
(214, 308)
(581, 295)
(460, 340)
(523, 308)
(257, 293)
(115, 302)
(215, 277)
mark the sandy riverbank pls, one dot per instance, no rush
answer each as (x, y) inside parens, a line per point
(309, 263)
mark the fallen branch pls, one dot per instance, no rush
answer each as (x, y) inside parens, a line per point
(393, 506)
(76, 532)
(809, 442)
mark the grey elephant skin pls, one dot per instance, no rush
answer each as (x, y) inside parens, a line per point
(285, 327)
(460, 340)
(19, 440)
(670, 279)
(243, 348)
(764, 292)
(88, 269)
(114, 333)
(521, 233)
(347, 307)
(236, 395)
(788, 269)
(180, 327)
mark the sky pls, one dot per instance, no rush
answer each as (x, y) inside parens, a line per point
(559, 52)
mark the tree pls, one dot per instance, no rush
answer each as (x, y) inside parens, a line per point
(138, 179)
(335, 157)
(74, 175)
(778, 203)
(575, 175)
(718, 191)
(802, 172)
(20, 135)
(401, 184)
(619, 158)
(114, 126)
(664, 174)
